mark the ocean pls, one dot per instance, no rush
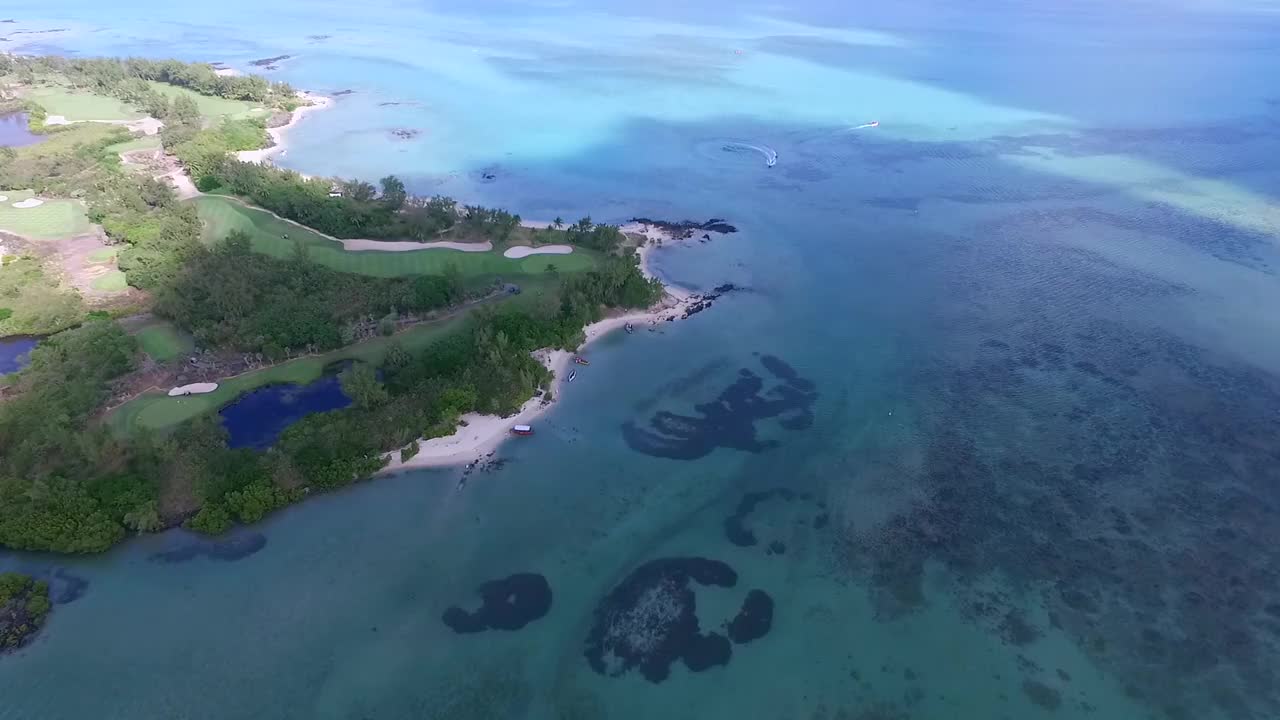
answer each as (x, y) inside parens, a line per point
(991, 430)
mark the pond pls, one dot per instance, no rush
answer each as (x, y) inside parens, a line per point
(258, 418)
(13, 352)
(14, 132)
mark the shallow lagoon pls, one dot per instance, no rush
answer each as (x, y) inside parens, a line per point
(1035, 305)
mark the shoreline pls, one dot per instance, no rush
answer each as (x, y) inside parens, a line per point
(313, 102)
(482, 435)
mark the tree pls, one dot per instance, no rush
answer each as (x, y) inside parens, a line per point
(557, 223)
(393, 192)
(183, 111)
(360, 383)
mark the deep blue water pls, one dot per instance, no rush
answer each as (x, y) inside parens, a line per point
(13, 353)
(257, 418)
(14, 132)
(1035, 472)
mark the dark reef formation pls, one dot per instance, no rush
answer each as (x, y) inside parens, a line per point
(507, 604)
(730, 420)
(1139, 495)
(754, 620)
(686, 229)
(735, 530)
(405, 133)
(230, 549)
(650, 620)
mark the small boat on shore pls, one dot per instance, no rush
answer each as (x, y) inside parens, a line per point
(521, 430)
(572, 374)
(580, 360)
(630, 328)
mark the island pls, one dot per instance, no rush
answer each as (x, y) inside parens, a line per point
(24, 606)
(216, 337)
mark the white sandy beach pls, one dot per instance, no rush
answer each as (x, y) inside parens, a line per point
(484, 433)
(312, 102)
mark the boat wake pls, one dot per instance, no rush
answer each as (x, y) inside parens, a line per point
(770, 155)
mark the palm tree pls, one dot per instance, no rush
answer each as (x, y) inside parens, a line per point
(557, 223)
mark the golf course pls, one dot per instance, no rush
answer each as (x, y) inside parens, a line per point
(275, 237)
(157, 412)
(50, 220)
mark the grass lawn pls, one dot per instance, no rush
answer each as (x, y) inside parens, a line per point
(50, 221)
(158, 411)
(80, 105)
(163, 342)
(212, 108)
(105, 255)
(112, 281)
(221, 216)
(146, 142)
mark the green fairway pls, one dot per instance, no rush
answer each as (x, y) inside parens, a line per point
(267, 234)
(52, 220)
(112, 281)
(105, 255)
(158, 411)
(163, 342)
(79, 105)
(212, 108)
(146, 142)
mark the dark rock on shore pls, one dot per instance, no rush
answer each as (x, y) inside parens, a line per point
(269, 63)
(686, 229)
(754, 620)
(228, 550)
(265, 62)
(343, 92)
(507, 604)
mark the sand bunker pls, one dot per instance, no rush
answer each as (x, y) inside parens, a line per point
(28, 203)
(193, 389)
(404, 246)
(522, 251)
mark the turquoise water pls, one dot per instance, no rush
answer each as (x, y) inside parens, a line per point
(1035, 473)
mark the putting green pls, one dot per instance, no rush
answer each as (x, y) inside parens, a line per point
(105, 255)
(79, 105)
(268, 236)
(112, 281)
(212, 108)
(52, 220)
(163, 342)
(158, 411)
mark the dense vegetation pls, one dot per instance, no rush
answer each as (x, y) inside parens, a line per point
(129, 80)
(57, 486)
(24, 605)
(229, 297)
